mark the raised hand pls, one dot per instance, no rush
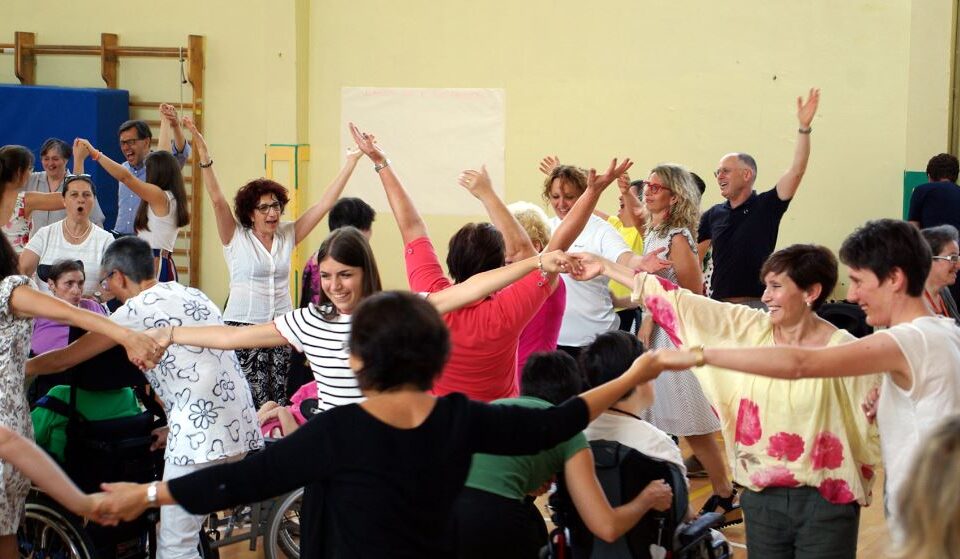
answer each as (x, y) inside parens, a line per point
(169, 112)
(354, 154)
(658, 495)
(600, 182)
(84, 144)
(198, 142)
(653, 263)
(548, 164)
(141, 350)
(807, 109)
(476, 182)
(623, 183)
(368, 145)
(123, 501)
(80, 151)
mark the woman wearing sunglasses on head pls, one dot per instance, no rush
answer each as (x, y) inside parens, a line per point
(74, 237)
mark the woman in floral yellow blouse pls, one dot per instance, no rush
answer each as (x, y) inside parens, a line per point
(802, 449)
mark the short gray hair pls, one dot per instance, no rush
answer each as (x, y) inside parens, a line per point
(131, 256)
(938, 236)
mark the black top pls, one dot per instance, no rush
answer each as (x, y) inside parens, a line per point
(936, 203)
(743, 238)
(374, 490)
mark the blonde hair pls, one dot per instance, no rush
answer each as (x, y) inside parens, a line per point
(533, 220)
(929, 502)
(685, 212)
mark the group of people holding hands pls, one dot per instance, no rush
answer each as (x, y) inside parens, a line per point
(494, 378)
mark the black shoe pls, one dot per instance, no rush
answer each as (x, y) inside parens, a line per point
(732, 513)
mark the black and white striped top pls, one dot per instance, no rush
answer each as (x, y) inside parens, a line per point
(324, 342)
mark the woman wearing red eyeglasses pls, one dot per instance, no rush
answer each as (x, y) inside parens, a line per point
(680, 407)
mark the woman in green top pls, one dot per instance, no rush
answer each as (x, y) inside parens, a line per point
(496, 516)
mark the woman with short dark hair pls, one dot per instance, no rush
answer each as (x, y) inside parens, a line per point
(788, 442)
(381, 477)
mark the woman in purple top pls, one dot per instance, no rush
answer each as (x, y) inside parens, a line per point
(65, 279)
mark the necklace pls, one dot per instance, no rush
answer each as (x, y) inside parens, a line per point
(81, 235)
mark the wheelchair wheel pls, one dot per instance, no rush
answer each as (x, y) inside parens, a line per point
(48, 530)
(283, 534)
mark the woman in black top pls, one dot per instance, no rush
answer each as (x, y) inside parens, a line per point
(381, 477)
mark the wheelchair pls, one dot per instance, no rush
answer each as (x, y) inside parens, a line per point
(277, 520)
(97, 451)
(623, 472)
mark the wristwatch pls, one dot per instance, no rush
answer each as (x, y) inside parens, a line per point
(152, 496)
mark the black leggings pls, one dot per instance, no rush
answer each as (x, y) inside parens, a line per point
(489, 525)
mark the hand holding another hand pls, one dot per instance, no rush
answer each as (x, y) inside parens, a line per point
(367, 144)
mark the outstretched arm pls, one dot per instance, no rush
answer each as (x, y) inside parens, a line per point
(632, 210)
(478, 286)
(170, 127)
(515, 238)
(42, 201)
(221, 337)
(790, 181)
(871, 354)
(151, 193)
(408, 218)
(86, 347)
(39, 467)
(576, 219)
(28, 302)
(310, 218)
(226, 224)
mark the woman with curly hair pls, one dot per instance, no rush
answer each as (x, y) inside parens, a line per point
(257, 245)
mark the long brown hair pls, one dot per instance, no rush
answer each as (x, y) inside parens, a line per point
(163, 170)
(348, 246)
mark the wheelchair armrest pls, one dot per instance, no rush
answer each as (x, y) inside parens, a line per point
(692, 532)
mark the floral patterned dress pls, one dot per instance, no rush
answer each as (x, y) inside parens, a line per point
(17, 229)
(680, 406)
(14, 410)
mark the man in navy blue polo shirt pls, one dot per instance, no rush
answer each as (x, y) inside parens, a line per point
(743, 230)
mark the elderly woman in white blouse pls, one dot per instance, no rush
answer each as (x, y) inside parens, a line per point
(257, 245)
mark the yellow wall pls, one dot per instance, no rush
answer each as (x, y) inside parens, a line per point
(657, 81)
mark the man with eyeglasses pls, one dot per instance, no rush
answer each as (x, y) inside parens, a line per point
(135, 143)
(743, 230)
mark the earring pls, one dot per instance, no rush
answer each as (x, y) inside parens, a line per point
(809, 304)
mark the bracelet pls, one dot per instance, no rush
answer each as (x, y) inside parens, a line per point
(170, 341)
(806, 130)
(95, 155)
(207, 164)
(540, 264)
(381, 166)
(698, 354)
(152, 494)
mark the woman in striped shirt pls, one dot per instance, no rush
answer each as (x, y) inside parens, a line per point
(348, 274)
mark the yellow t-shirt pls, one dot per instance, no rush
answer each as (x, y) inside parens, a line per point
(777, 433)
(634, 240)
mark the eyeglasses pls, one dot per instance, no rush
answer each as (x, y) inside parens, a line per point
(953, 258)
(265, 208)
(106, 278)
(130, 142)
(722, 171)
(653, 188)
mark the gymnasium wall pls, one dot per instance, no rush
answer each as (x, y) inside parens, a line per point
(681, 81)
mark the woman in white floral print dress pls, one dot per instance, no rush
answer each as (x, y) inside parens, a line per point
(19, 303)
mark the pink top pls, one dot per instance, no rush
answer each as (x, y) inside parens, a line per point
(484, 336)
(544, 328)
(306, 392)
